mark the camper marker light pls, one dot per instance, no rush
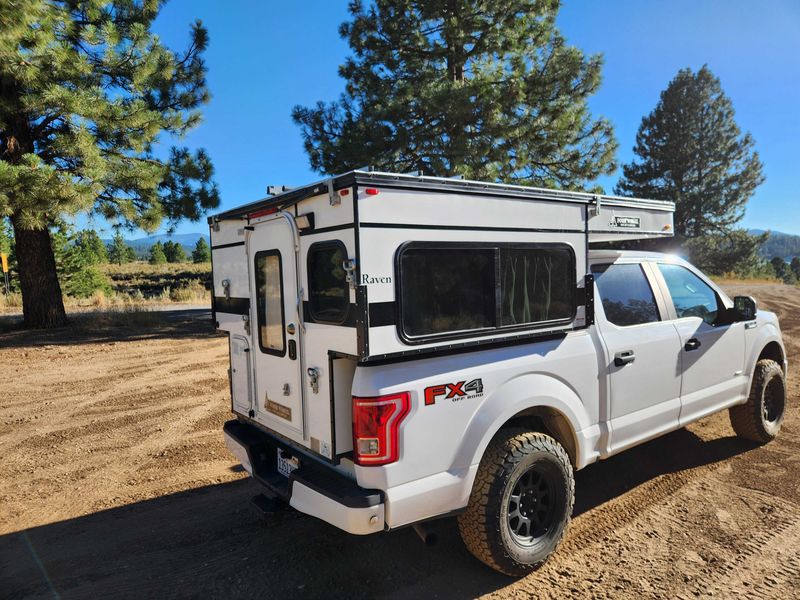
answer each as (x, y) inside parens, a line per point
(371, 191)
(262, 213)
(376, 423)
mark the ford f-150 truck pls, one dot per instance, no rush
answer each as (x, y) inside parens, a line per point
(407, 348)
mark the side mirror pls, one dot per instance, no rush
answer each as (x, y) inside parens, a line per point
(745, 308)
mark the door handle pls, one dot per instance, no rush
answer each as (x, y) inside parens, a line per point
(692, 344)
(623, 358)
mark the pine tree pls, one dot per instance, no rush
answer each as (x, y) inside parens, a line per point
(118, 250)
(130, 254)
(733, 252)
(92, 245)
(157, 256)
(174, 252)
(86, 89)
(691, 151)
(6, 236)
(795, 266)
(201, 252)
(485, 89)
(77, 275)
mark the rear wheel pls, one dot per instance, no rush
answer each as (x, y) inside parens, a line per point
(521, 502)
(761, 417)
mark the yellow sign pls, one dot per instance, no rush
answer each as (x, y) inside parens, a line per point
(4, 260)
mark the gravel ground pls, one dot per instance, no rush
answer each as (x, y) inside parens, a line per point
(115, 482)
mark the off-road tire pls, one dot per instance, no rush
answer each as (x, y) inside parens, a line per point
(485, 526)
(768, 390)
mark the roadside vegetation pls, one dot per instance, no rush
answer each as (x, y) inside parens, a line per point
(113, 277)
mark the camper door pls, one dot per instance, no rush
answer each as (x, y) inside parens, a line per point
(275, 327)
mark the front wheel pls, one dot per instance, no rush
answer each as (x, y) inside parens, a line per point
(521, 502)
(760, 418)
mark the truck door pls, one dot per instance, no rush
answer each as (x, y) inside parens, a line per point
(642, 358)
(275, 327)
(712, 354)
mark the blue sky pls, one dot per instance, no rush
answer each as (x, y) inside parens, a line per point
(266, 57)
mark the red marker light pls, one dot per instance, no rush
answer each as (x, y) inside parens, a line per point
(344, 192)
(371, 191)
(262, 213)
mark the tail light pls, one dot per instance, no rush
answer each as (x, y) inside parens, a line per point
(376, 421)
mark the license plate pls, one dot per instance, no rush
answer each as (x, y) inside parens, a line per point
(287, 465)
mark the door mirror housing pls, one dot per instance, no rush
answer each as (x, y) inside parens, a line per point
(745, 308)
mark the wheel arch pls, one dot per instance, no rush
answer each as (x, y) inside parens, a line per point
(541, 402)
(773, 350)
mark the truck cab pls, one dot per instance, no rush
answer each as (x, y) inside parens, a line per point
(405, 349)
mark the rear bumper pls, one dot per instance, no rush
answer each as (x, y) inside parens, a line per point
(313, 488)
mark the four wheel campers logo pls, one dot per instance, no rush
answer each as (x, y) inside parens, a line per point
(454, 391)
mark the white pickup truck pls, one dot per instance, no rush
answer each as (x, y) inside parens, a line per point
(408, 348)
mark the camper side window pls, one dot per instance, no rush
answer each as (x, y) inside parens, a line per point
(459, 290)
(328, 291)
(269, 302)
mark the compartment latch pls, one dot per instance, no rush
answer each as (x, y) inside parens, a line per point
(313, 379)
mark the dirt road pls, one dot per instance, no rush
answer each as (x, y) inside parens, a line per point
(115, 482)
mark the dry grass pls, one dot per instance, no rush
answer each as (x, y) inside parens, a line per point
(733, 280)
(11, 301)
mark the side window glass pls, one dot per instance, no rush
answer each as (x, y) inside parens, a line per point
(626, 294)
(691, 295)
(270, 302)
(328, 291)
(536, 285)
(447, 290)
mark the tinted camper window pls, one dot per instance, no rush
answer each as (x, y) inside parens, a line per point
(328, 290)
(453, 290)
(535, 284)
(447, 290)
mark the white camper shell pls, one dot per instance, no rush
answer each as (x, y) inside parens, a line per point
(295, 350)
(404, 348)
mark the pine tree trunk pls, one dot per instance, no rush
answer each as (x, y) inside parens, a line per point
(42, 304)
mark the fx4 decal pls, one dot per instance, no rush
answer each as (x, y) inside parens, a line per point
(454, 391)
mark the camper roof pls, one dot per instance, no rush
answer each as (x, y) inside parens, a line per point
(440, 184)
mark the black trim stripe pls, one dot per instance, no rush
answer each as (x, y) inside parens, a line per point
(460, 348)
(231, 245)
(341, 227)
(381, 314)
(466, 228)
(232, 306)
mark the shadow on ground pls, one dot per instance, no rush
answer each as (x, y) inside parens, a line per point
(111, 326)
(208, 543)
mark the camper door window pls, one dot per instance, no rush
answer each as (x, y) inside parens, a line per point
(269, 283)
(328, 291)
(450, 290)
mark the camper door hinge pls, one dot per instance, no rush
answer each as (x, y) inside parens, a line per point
(349, 267)
(246, 320)
(333, 197)
(595, 205)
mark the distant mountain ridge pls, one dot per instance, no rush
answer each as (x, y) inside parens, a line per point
(785, 245)
(187, 240)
